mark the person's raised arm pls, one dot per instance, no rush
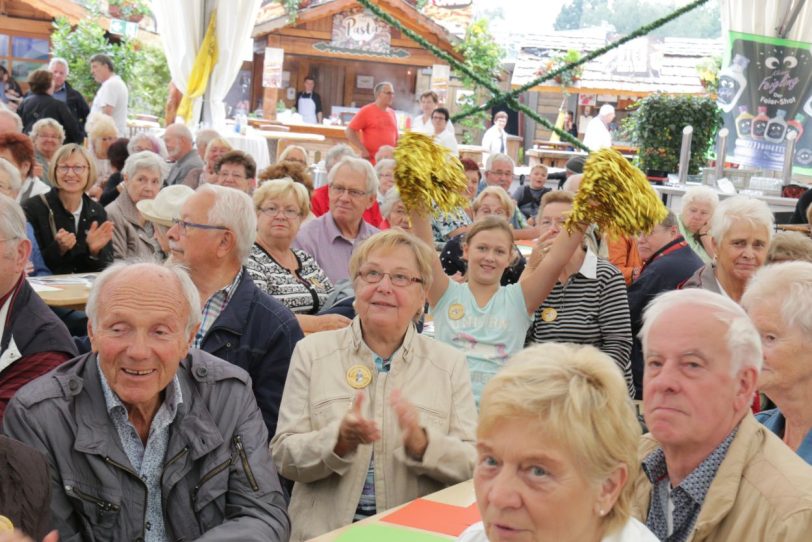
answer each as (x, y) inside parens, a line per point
(421, 226)
(537, 284)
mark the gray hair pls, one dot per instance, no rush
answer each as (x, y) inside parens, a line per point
(389, 201)
(379, 87)
(234, 210)
(740, 208)
(202, 137)
(360, 167)
(12, 219)
(498, 157)
(144, 160)
(48, 123)
(385, 163)
(788, 286)
(156, 143)
(187, 288)
(702, 193)
(13, 174)
(58, 60)
(14, 117)
(743, 340)
(790, 246)
(336, 153)
(180, 130)
(670, 220)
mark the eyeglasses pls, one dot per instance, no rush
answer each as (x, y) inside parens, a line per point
(229, 175)
(273, 210)
(340, 191)
(373, 276)
(183, 226)
(75, 169)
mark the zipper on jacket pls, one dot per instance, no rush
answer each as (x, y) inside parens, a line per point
(209, 475)
(176, 456)
(245, 465)
(135, 475)
(103, 505)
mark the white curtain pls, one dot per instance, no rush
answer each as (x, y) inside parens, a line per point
(764, 17)
(181, 25)
(235, 21)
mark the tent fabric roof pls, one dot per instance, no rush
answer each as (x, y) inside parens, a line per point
(670, 63)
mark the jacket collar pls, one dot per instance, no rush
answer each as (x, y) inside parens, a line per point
(128, 209)
(234, 317)
(359, 346)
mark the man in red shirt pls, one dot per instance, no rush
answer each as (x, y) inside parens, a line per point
(32, 339)
(375, 124)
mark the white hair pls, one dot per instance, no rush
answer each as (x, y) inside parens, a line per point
(14, 117)
(498, 157)
(13, 174)
(360, 167)
(145, 160)
(703, 194)
(336, 153)
(383, 164)
(12, 219)
(234, 210)
(57, 60)
(743, 340)
(180, 130)
(740, 208)
(48, 122)
(786, 285)
(606, 110)
(187, 288)
(389, 201)
(202, 137)
(156, 143)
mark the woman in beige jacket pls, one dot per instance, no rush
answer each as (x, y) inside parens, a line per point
(374, 415)
(133, 236)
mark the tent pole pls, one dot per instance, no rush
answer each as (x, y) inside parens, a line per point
(789, 20)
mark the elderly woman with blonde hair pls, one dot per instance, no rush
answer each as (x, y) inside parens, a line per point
(698, 205)
(556, 451)
(101, 132)
(294, 153)
(741, 230)
(290, 275)
(376, 414)
(133, 235)
(779, 302)
(216, 149)
(788, 246)
(47, 135)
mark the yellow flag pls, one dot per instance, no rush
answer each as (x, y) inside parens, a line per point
(204, 64)
(559, 123)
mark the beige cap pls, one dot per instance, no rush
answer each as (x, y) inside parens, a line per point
(166, 205)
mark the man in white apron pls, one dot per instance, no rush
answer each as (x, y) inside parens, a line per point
(308, 103)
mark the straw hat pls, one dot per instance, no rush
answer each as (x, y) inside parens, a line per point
(166, 206)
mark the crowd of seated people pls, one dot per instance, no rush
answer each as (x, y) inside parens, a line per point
(262, 359)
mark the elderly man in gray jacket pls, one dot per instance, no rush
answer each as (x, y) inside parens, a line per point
(147, 443)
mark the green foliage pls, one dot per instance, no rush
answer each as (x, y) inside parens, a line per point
(143, 68)
(656, 129)
(483, 56)
(130, 8)
(627, 15)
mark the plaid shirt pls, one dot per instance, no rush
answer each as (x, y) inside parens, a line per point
(215, 305)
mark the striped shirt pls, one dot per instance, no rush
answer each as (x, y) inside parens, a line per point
(591, 308)
(215, 305)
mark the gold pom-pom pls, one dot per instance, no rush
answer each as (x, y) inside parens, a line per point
(616, 196)
(427, 175)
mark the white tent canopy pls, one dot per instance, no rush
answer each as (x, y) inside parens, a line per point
(766, 17)
(182, 25)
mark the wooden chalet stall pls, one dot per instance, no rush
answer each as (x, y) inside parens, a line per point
(348, 51)
(620, 77)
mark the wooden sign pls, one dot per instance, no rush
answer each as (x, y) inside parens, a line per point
(360, 31)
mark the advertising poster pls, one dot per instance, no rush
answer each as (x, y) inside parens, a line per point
(272, 76)
(765, 93)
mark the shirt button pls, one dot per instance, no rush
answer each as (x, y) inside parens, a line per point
(148, 526)
(144, 478)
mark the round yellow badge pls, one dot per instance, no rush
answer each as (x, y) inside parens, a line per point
(6, 526)
(456, 311)
(359, 376)
(549, 314)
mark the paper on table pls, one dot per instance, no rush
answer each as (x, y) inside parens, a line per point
(435, 517)
(38, 287)
(375, 532)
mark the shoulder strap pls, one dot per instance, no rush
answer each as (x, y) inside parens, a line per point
(51, 221)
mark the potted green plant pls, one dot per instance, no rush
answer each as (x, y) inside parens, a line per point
(128, 10)
(656, 126)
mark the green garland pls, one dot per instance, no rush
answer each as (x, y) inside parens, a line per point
(509, 98)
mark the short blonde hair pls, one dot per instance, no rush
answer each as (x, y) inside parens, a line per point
(786, 285)
(499, 193)
(290, 149)
(388, 240)
(788, 246)
(64, 152)
(221, 141)
(48, 123)
(282, 188)
(556, 196)
(579, 396)
(98, 124)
